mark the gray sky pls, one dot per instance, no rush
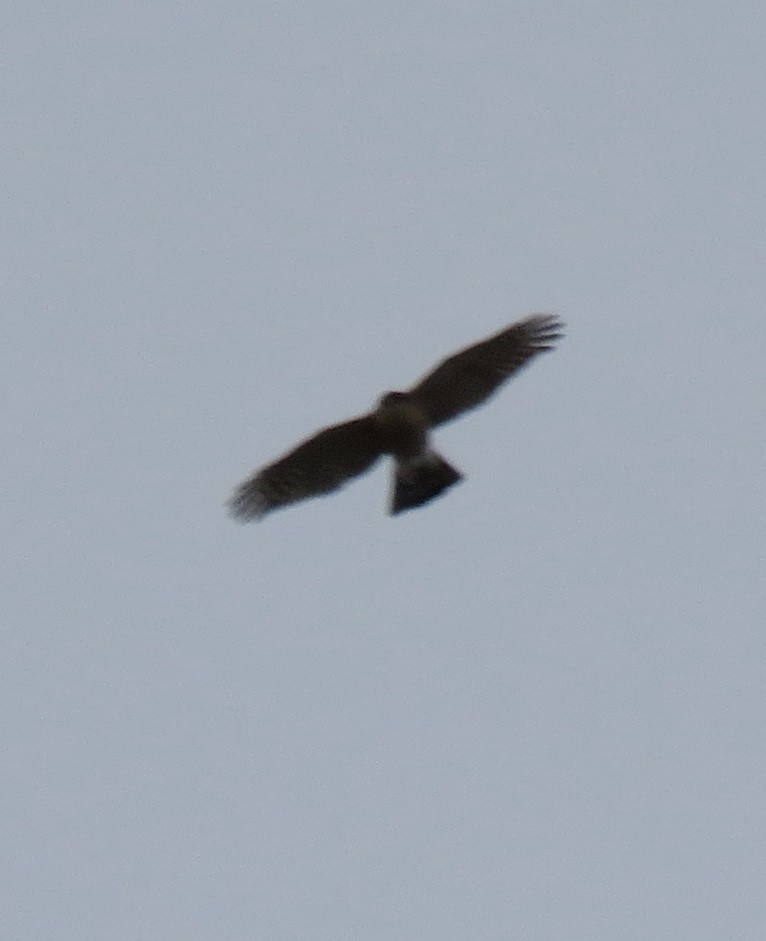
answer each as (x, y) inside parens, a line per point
(534, 709)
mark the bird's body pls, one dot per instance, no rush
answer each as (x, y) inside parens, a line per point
(420, 473)
(402, 425)
(399, 426)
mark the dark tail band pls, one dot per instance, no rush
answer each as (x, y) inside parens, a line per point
(417, 482)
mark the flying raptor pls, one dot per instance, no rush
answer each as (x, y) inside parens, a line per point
(399, 426)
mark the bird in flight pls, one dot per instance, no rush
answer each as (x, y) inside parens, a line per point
(399, 426)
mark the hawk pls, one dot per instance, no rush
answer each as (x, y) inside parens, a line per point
(399, 426)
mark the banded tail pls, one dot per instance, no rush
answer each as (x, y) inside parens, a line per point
(420, 479)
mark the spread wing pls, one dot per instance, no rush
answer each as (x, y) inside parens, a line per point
(468, 378)
(318, 465)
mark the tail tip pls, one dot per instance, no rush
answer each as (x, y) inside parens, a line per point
(417, 484)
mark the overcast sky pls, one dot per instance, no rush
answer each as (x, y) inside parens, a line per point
(533, 709)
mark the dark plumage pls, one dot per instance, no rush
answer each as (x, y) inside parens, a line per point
(399, 426)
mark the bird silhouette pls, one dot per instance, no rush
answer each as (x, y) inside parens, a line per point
(399, 426)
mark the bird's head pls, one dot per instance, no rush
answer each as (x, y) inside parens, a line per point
(392, 399)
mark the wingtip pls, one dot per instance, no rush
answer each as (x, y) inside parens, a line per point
(545, 330)
(247, 504)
